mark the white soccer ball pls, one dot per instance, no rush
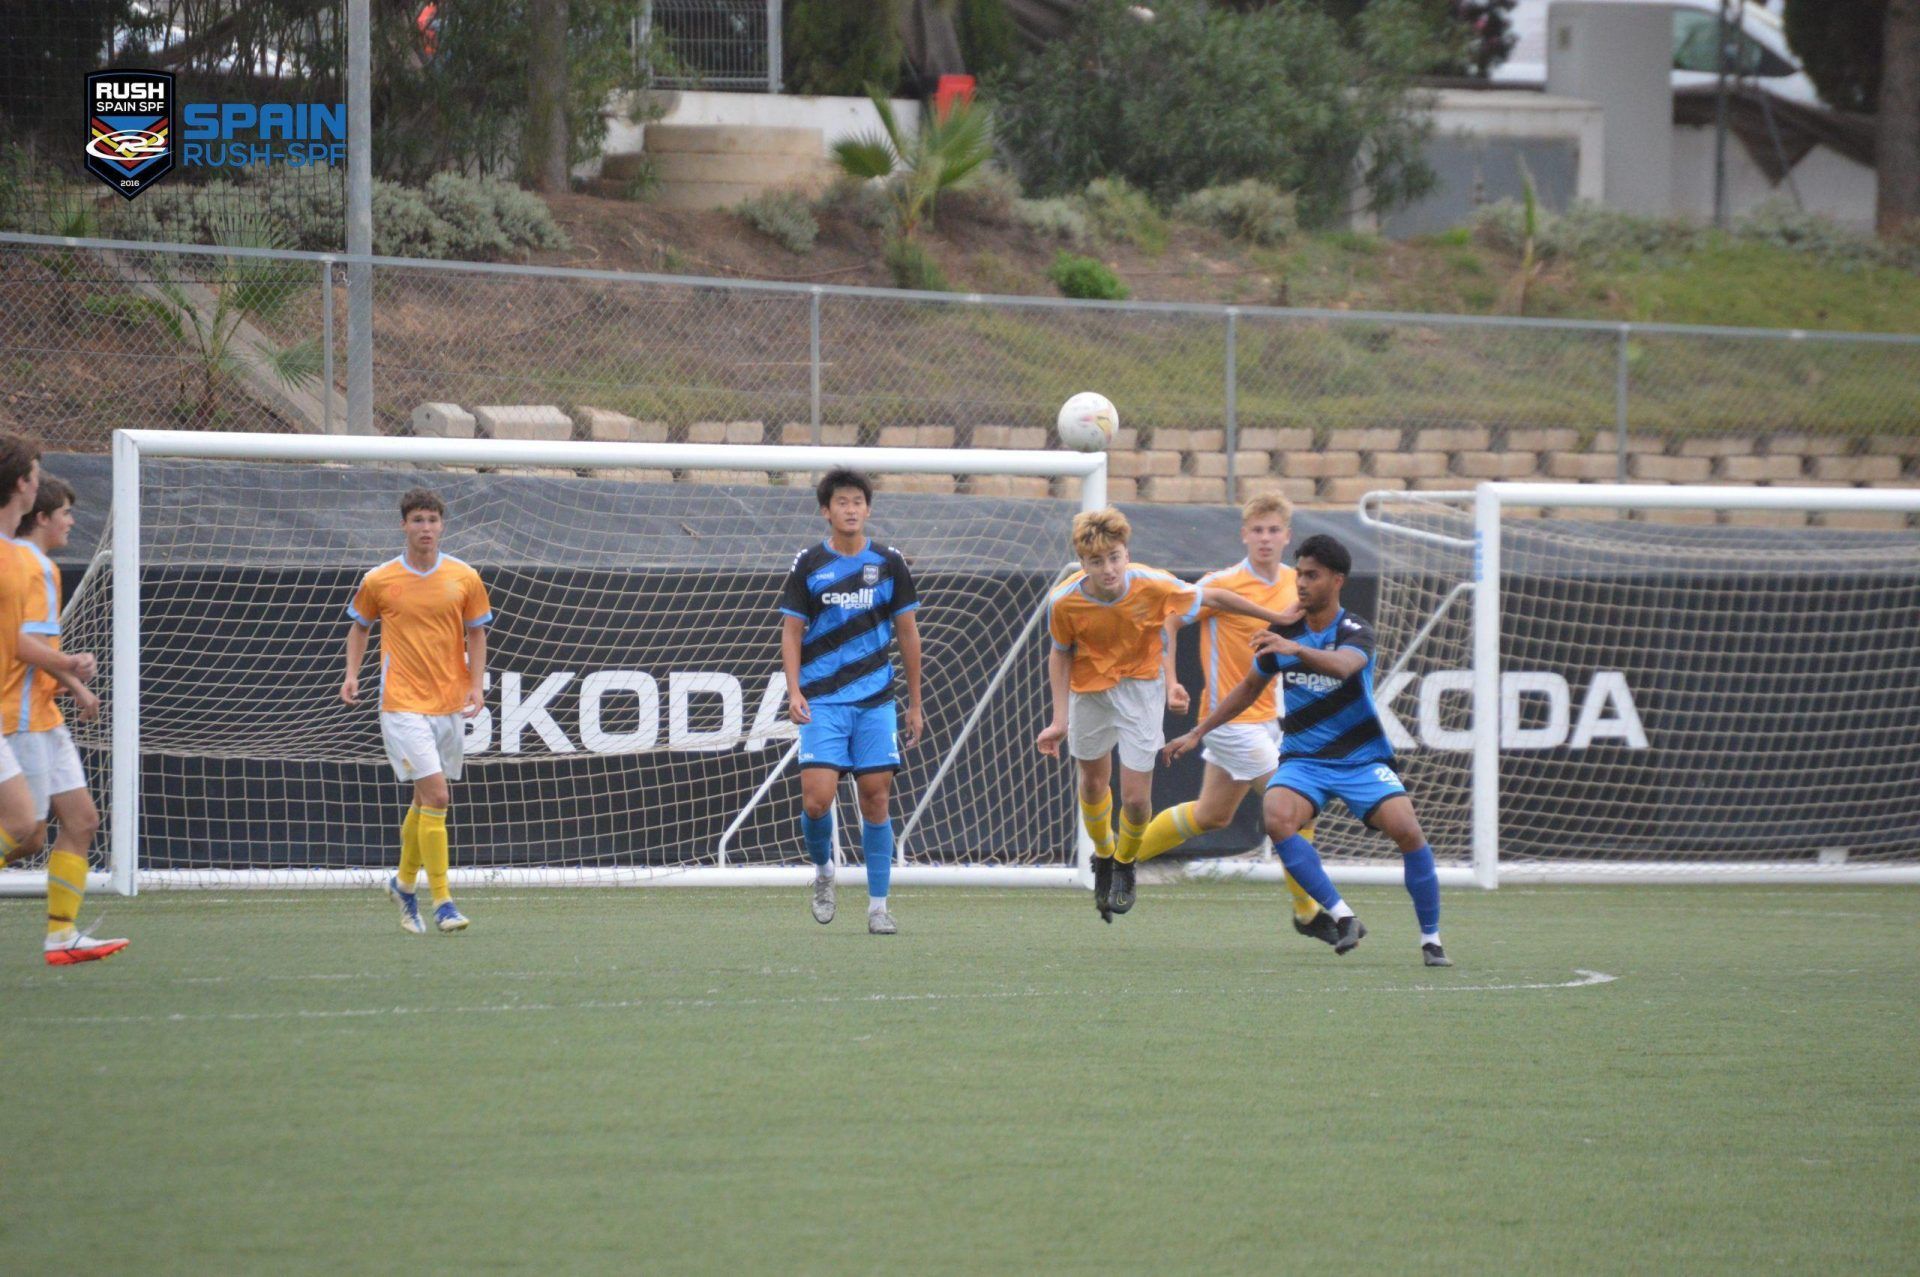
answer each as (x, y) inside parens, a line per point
(1087, 422)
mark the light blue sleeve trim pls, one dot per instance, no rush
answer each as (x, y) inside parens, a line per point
(911, 607)
(1058, 646)
(41, 627)
(787, 611)
(477, 622)
(358, 619)
(1198, 592)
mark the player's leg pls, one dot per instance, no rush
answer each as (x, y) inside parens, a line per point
(1292, 803)
(1393, 816)
(409, 744)
(67, 798)
(1142, 705)
(1093, 728)
(22, 824)
(434, 797)
(876, 757)
(824, 756)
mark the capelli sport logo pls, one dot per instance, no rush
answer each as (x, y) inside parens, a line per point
(130, 128)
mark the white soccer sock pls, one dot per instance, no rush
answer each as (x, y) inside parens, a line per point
(1341, 910)
(876, 904)
(824, 872)
(1429, 937)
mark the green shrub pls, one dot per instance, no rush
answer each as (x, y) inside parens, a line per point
(1119, 212)
(1249, 210)
(989, 40)
(1783, 225)
(1054, 218)
(839, 47)
(1584, 232)
(1083, 277)
(913, 267)
(473, 230)
(989, 197)
(1202, 95)
(783, 217)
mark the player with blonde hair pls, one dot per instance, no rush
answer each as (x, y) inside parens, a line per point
(1104, 670)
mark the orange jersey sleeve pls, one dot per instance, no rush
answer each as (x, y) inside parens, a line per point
(26, 693)
(423, 618)
(1226, 638)
(1121, 638)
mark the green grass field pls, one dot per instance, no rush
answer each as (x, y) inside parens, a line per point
(706, 1081)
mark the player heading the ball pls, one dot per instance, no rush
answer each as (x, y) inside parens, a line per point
(843, 602)
(1333, 745)
(1104, 669)
(433, 614)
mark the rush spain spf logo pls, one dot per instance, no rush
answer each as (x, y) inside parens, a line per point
(130, 118)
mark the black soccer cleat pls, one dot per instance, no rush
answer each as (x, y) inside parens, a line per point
(1103, 887)
(1347, 934)
(1122, 895)
(1434, 956)
(1322, 928)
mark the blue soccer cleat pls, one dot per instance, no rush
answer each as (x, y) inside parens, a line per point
(409, 907)
(448, 918)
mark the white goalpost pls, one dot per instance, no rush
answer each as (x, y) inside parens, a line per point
(635, 729)
(1617, 683)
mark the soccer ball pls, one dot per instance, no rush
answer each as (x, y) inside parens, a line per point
(1087, 422)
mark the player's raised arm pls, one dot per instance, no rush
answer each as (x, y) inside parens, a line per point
(1335, 662)
(1227, 601)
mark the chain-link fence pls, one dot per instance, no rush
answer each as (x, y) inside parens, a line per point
(95, 336)
(713, 44)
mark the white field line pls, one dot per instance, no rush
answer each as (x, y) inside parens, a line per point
(1583, 979)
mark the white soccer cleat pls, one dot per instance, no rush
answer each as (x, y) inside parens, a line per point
(409, 904)
(65, 948)
(823, 900)
(880, 923)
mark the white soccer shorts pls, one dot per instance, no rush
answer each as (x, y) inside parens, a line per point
(1130, 714)
(421, 745)
(9, 761)
(1244, 751)
(51, 763)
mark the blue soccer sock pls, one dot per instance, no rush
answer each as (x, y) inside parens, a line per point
(876, 844)
(817, 831)
(1423, 884)
(1303, 864)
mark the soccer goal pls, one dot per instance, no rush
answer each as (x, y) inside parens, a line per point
(1610, 682)
(635, 728)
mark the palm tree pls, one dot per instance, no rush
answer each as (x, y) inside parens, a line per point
(943, 155)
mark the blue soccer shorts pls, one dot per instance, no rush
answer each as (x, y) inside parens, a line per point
(852, 738)
(1361, 786)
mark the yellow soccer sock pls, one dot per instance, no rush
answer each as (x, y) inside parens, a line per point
(433, 851)
(66, 885)
(1099, 820)
(409, 850)
(1127, 846)
(1168, 830)
(1304, 905)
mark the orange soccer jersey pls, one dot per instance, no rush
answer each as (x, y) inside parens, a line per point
(1226, 638)
(1121, 639)
(26, 693)
(424, 618)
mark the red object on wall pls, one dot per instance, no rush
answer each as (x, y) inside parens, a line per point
(951, 89)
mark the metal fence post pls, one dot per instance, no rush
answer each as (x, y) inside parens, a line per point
(775, 53)
(813, 355)
(326, 342)
(1620, 399)
(1233, 394)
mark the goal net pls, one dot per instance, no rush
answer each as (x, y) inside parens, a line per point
(1607, 681)
(635, 724)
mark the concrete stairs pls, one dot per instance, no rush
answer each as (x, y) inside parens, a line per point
(706, 166)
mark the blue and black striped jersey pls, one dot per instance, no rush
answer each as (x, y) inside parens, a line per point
(848, 603)
(1328, 718)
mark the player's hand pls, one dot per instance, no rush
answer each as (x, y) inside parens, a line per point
(473, 703)
(86, 704)
(1180, 745)
(916, 723)
(798, 710)
(350, 689)
(1177, 698)
(1267, 641)
(1292, 614)
(1048, 742)
(82, 666)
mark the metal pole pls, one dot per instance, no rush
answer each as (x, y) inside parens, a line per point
(326, 343)
(1486, 686)
(813, 354)
(776, 53)
(1620, 400)
(124, 692)
(1724, 32)
(1233, 394)
(359, 218)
